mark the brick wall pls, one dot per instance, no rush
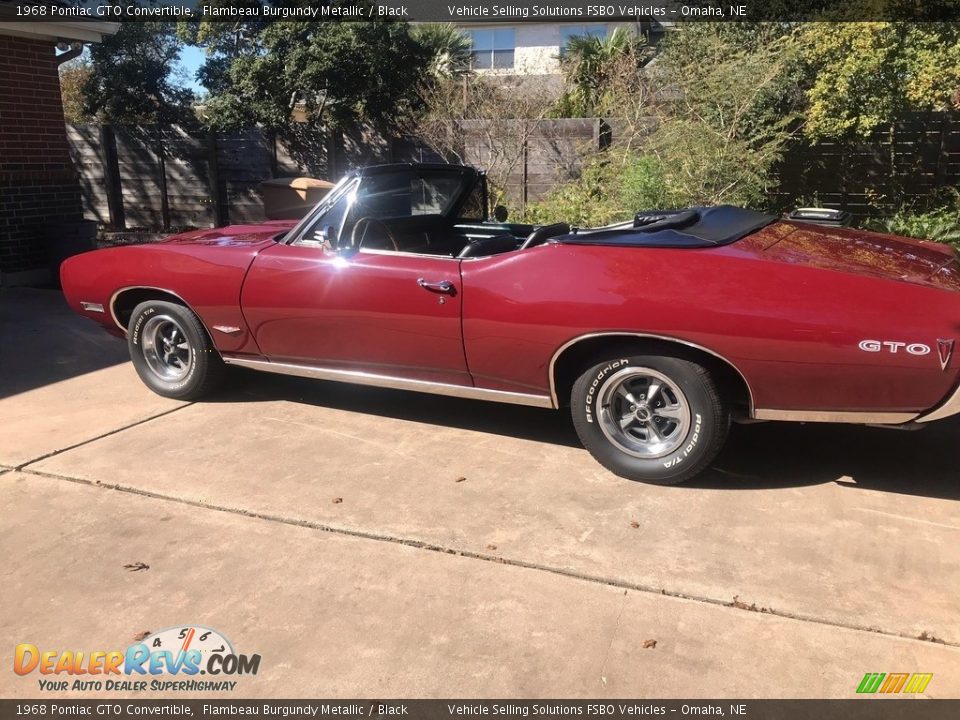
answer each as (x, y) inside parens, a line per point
(38, 183)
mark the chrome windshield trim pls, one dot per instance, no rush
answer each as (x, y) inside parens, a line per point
(295, 233)
(949, 407)
(837, 416)
(627, 333)
(389, 381)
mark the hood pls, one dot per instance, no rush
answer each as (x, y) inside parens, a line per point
(234, 235)
(865, 253)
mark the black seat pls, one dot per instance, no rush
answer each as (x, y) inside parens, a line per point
(544, 233)
(481, 247)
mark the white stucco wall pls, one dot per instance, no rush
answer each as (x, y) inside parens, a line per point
(537, 45)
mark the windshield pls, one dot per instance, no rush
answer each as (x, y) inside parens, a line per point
(402, 191)
(407, 192)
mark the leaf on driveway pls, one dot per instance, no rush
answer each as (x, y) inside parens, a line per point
(337, 501)
(649, 644)
(141, 635)
(137, 567)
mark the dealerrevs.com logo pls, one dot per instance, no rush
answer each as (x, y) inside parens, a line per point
(168, 660)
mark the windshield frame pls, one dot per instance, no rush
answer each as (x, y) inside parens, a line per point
(470, 177)
(331, 198)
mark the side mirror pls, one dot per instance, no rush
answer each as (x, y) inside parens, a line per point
(328, 233)
(500, 213)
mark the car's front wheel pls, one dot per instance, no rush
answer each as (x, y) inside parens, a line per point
(654, 419)
(171, 351)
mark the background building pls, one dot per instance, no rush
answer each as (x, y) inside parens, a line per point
(39, 187)
(533, 48)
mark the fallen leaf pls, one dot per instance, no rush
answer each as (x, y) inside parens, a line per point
(137, 567)
(460, 479)
(491, 546)
(649, 644)
(337, 501)
(141, 635)
(634, 524)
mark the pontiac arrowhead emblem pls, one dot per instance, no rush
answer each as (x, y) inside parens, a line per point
(945, 348)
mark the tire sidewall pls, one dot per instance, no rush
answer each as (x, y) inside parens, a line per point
(184, 386)
(697, 448)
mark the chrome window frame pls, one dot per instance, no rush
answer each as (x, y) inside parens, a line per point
(296, 234)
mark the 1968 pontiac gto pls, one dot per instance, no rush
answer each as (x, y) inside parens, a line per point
(656, 332)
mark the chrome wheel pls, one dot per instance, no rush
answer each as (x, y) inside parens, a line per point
(165, 348)
(643, 412)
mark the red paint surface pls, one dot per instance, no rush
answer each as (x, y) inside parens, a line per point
(787, 306)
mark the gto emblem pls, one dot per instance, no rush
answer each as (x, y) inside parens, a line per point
(894, 347)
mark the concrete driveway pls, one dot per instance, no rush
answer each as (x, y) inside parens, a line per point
(377, 543)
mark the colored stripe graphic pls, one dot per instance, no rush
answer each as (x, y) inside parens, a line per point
(918, 682)
(893, 683)
(870, 682)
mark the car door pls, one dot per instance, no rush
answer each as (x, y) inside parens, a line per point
(371, 311)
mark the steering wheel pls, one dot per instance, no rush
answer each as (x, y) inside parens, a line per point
(542, 234)
(357, 237)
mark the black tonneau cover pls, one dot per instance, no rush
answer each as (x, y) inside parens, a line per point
(697, 227)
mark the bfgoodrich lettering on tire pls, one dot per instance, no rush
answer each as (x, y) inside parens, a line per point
(171, 351)
(650, 418)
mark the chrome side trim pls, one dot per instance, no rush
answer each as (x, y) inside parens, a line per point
(828, 416)
(574, 341)
(91, 306)
(950, 406)
(396, 383)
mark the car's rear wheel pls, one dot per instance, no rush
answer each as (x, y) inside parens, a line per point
(654, 419)
(171, 351)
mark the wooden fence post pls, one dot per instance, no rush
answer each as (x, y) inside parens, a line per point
(162, 165)
(111, 176)
(221, 212)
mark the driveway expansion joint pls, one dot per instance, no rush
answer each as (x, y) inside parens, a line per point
(734, 605)
(101, 436)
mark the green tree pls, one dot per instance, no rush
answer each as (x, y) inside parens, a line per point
(601, 73)
(865, 74)
(74, 76)
(133, 77)
(705, 124)
(331, 74)
(447, 47)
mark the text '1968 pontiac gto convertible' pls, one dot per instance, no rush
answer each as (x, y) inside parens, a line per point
(656, 332)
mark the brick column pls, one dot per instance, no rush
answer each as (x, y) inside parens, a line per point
(38, 183)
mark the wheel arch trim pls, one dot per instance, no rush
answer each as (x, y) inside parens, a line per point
(118, 293)
(643, 336)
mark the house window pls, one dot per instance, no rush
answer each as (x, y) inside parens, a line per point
(571, 31)
(493, 48)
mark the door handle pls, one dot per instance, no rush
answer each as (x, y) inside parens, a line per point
(440, 286)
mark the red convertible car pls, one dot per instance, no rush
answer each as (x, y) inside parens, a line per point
(656, 332)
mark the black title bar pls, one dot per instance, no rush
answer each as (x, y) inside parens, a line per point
(482, 11)
(216, 708)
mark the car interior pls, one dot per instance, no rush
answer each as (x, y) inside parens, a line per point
(414, 210)
(436, 235)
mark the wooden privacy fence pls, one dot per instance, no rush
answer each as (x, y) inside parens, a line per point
(147, 178)
(140, 177)
(143, 177)
(907, 164)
